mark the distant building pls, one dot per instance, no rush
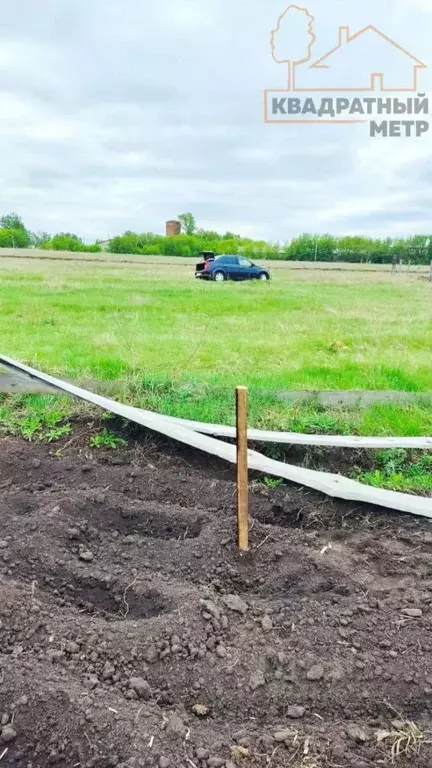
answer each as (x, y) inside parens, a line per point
(173, 227)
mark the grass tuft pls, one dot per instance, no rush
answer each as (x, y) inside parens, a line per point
(107, 439)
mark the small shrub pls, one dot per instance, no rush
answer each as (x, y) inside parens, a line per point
(392, 460)
(106, 439)
(95, 248)
(273, 482)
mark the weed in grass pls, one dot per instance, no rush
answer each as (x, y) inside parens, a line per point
(337, 346)
(400, 470)
(272, 482)
(34, 418)
(56, 433)
(321, 422)
(30, 426)
(393, 459)
(106, 439)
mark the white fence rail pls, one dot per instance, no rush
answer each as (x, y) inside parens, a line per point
(330, 484)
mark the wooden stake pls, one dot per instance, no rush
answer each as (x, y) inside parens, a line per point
(242, 469)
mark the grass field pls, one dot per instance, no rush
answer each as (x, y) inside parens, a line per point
(105, 257)
(181, 345)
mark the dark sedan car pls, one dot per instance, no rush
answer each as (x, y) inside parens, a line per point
(230, 268)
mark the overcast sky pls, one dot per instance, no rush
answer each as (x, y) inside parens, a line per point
(120, 114)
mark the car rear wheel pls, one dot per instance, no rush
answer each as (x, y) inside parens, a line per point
(219, 277)
(263, 276)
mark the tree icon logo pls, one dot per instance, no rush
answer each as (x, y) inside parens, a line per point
(292, 40)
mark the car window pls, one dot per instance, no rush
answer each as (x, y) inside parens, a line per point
(229, 260)
(245, 262)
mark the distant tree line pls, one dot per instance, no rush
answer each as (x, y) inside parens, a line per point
(414, 250)
(14, 234)
(307, 247)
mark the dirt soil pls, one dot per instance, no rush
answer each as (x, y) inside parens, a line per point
(132, 633)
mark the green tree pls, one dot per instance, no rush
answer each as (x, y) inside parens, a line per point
(65, 241)
(14, 238)
(325, 248)
(419, 249)
(18, 235)
(126, 243)
(207, 234)
(12, 221)
(188, 223)
(302, 248)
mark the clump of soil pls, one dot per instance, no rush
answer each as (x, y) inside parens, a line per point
(132, 633)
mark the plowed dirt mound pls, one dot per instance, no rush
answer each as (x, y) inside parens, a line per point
(133, 634)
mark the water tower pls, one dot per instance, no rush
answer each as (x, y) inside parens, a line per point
(173, 227)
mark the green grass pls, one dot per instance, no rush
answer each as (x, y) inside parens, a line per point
(397, 470)
(43, 412)
(302, 331)
(35, 417)
(181, 346)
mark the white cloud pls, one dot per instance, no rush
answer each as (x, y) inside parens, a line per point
(360, 205)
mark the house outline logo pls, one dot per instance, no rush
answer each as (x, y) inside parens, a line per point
(376, 82)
